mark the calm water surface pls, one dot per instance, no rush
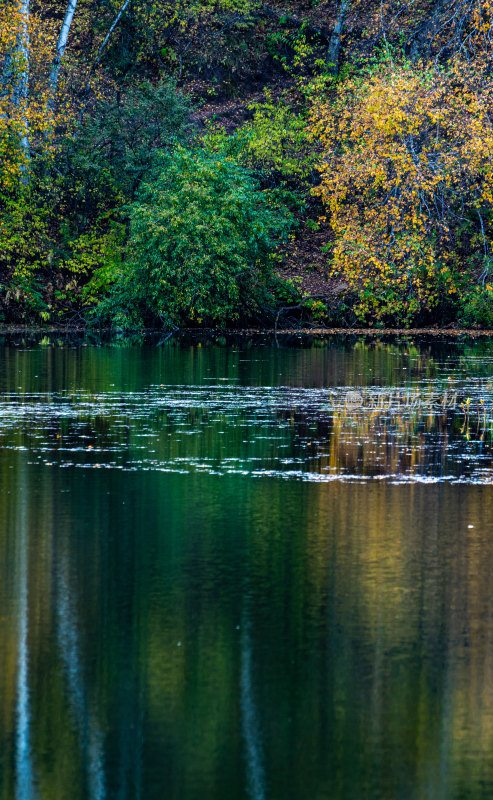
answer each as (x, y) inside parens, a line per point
(246, 571)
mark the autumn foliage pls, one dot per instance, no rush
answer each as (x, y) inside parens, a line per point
(26, 43)
(407, 180)
(392, 146)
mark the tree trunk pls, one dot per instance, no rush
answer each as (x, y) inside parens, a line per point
(421, 38)
(60, 50)
(18, 78)
(336, 38)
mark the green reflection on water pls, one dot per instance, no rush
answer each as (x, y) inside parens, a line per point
(222, 635)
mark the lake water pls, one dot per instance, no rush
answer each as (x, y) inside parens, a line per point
(241, 570)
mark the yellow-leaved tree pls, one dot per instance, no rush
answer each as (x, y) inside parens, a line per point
(407, 179)
(26, 48)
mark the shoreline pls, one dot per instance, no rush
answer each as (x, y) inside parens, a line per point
(318, 331)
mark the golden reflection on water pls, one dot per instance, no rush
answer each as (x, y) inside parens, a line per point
(387, 634)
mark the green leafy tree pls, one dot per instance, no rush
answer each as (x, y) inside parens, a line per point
(202, 240)
(117, 146)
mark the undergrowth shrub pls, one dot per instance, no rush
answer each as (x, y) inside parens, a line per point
(277, 141)
(24, 251)
(476, 306)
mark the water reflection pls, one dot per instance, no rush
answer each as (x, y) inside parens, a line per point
(90, 736)
(308, 434)
(24, 769)
(308, 615)
(250, 723)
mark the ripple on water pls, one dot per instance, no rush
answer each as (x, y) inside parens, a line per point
(424, 432)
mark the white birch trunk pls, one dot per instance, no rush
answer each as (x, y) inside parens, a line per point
(60, 51)
(20, 85)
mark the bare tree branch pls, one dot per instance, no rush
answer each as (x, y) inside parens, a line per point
(99, 55)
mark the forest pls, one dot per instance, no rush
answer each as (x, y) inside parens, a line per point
(175, 163)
